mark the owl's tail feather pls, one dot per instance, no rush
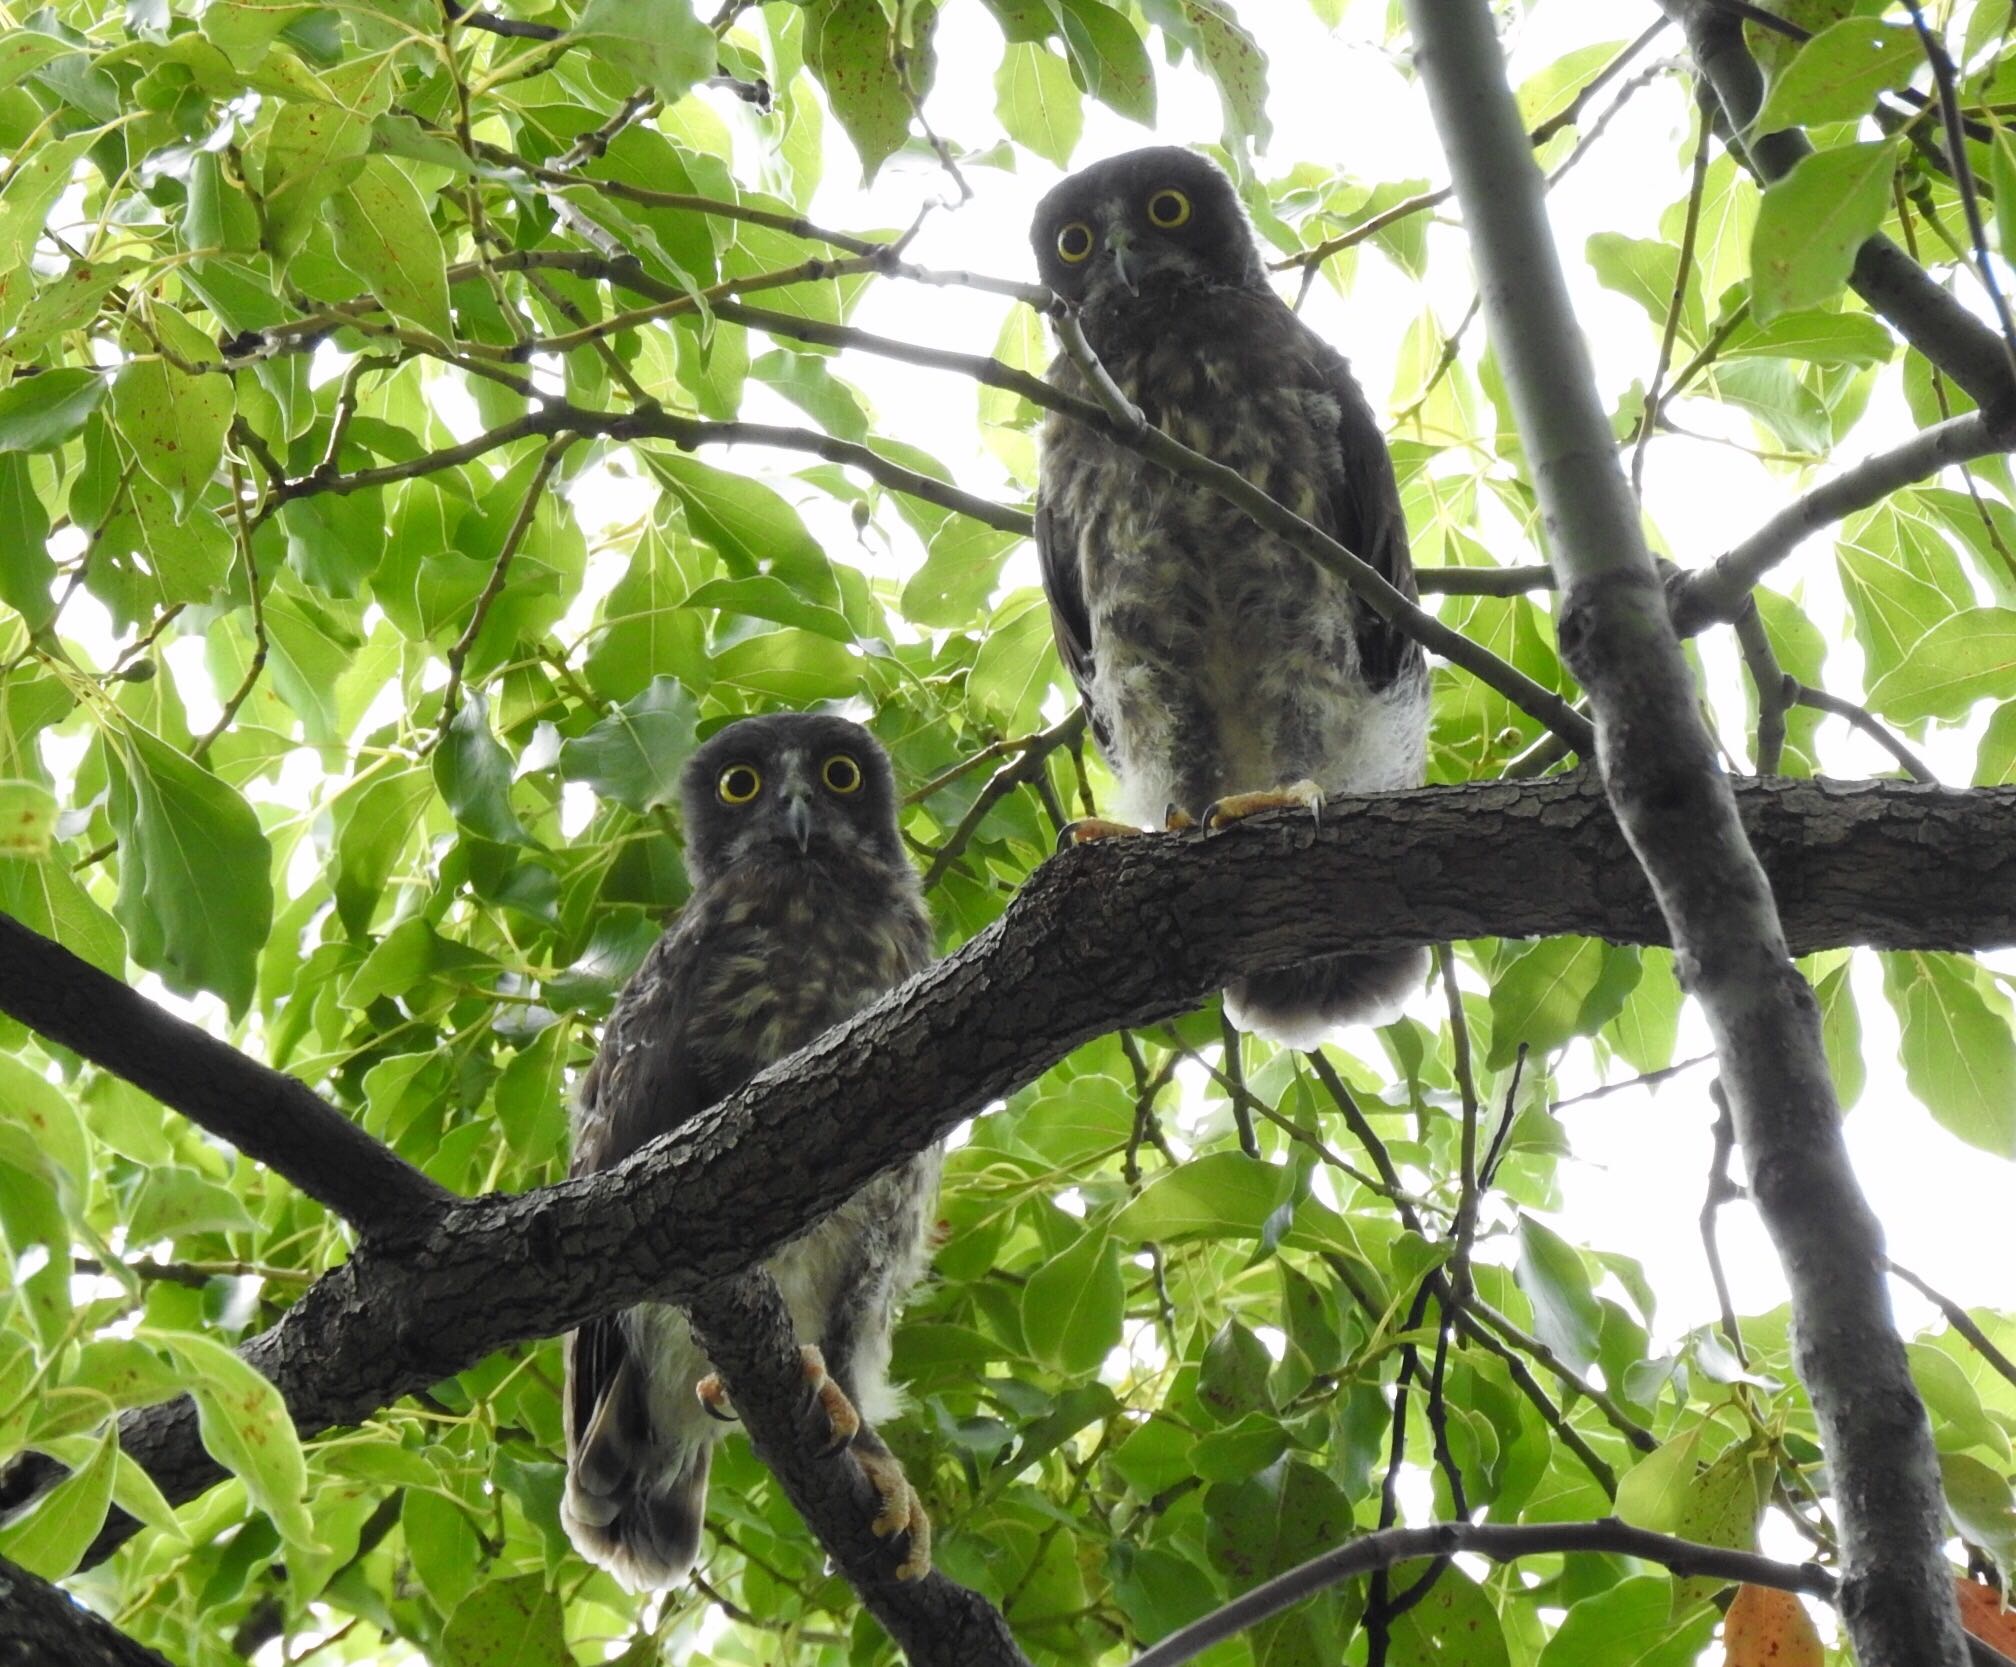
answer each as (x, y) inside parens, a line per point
(631, 1505)
(1305, 1006)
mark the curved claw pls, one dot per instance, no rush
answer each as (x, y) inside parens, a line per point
(712, 1394)
(1234, 807)
(1089, 828)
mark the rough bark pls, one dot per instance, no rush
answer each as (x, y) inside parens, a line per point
(44, 1626)
(1678, 812)
(936, 1622)
(265, 1114)
(1117, 933)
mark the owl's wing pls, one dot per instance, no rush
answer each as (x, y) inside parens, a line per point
(1365, 514)
(1070, 621)
(645, 1081)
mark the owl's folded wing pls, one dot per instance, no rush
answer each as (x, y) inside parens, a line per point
(1366, 518)
(1070, 622)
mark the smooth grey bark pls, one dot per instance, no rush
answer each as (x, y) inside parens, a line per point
(1116, 933)
(1677, 810)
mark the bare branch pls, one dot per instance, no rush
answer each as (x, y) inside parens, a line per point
(1502, 1543)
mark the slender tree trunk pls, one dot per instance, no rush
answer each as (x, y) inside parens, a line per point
(1677, 811)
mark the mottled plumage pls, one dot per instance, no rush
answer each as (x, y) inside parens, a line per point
(1213, 658)
(804, 910)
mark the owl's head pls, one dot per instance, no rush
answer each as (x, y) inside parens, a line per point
(1152, 220)
(790, 787)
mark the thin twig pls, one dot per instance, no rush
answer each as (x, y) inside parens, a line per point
(1957, 1318)
(201, 749)
(1821, 701)
(1774, 688)
(1696, 189)
(1721, 1190)
(528, 508)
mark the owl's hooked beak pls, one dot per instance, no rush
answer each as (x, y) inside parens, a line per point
(798, 821)
(1120, 241)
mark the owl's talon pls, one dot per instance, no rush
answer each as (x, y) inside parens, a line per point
(901, 1512)
(1089, 828)
(712, 1394)
(843, 1423)
(1175, 819)
(1235, 807)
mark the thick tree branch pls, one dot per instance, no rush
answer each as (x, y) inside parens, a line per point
(1118, 933)
(44, 1626)
(1678, 812)
(1886, 277)
(747, 1333)
(265, 1114)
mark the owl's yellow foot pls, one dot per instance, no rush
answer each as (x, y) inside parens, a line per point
(1236, 806)
(1089, 828)
(843, 1423)
(902, 1512)
(713, 1397)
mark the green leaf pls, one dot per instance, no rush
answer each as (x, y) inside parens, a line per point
(1038, 103)
(1966, 657)
(507, 1623)
(175, 423)
(633, 755)
(1455, 1625)
(1959, 1057)
(245, 1427)
(1222, 1195)
(195, 881)
(23, 52)
(1234, 60)
(27, 819)
(38, 413)
(26, 570)
(36, 180)
(1653, 1492)
(372, 828)
(1643, 269)
(1981, 1504)
(1017, 664)
(849, 47)
(1838, 73)
(659, 43)
(473, 772)
(1266, 1524)
(1565, 1311)
(173, 1200)
(311, 150)
(51, 1539)
(385, 235)
(1109, 56)
(790, 668)
(1073, 1305)
(1232, 1377)
(1811, 223)
(1630, 1624)
(1542, 997)
(1814, 338)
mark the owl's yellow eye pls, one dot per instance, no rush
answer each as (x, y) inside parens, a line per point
(841, 773)
(1074, 242)
(739, 783)
(1168, 208)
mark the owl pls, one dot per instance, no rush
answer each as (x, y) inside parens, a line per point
(1223, 670)
(804, 910)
